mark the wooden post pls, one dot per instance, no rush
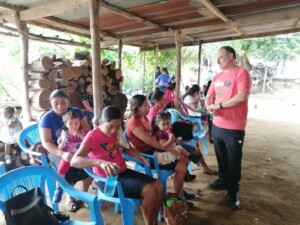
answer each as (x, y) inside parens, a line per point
(144, 72)
(264, 82)
(94, 7)
(120, 48)
(156, 64)
(178, 77)
(199, 61)
(23, 34)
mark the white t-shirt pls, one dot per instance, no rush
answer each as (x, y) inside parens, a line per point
(190, 99)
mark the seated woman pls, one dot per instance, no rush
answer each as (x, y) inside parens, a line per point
(139, 130)
(192, 99)
(157, 101)
(50, 128)
(87, 99)
(103, 147)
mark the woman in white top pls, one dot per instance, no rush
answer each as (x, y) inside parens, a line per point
(193, 100)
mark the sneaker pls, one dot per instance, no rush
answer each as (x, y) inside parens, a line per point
(57, 195)
(234, 202)
(189, 177)
(7, 159)
(188, 196)
(23, 155)
(218, 184)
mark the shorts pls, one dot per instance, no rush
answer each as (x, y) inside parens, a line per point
(132, 183)
(189, 145)
(73, 175)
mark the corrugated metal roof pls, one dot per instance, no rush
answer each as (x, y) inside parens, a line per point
(150, 23)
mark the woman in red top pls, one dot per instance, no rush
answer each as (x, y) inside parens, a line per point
(138, 130)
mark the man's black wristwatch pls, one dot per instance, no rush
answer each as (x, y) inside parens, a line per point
(221, 106)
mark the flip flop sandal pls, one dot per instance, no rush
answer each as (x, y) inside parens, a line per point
(71, 206)
(210, 172)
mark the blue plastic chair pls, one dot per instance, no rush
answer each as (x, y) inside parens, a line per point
(128, 205)
(36, 176)
(198, 132)
(162, 175)
(28, 137)
(31, 134)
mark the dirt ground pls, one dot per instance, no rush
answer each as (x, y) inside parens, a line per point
(270, 184)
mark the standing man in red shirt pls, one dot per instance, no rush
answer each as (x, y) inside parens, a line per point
(227, 101)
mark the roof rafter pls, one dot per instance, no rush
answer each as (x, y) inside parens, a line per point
(86, 29)
(133, 17)
(211, 7)
(140, 19)
(50, 9)
(45, 38)
(298, 24)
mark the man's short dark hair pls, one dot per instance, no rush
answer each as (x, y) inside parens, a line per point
(229, 49)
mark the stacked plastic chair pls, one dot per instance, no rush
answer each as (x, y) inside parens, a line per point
(36, 176)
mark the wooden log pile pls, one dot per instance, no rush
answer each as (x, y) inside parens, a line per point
(50, 73)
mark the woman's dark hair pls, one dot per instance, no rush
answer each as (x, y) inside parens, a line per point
(58, 93)
(159, 117)
(70, 114)
(165, 70)
(172, 86)
(136, 102)
(229, 49)
(111, 113)
(157, 95)
(86, 84)
(9, 109)
(195, 88)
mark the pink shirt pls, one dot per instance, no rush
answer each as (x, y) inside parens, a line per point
(170, 96)
(106, 148)
(224, 86)
(152, 114)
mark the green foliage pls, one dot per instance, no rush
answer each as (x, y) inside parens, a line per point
(278, 48)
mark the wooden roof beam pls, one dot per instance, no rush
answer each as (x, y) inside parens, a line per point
(219, 14)
(10, 7)
(50, 9)
(44, 38)
(133, 17)
(298, 24)
(79, 26)
(139, 19)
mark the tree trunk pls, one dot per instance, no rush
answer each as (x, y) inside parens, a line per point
(43, 65)
(71, 86)
(39, 84)
(52, 75)
(40, 100)
(53, 85)
(65, 73)
(37, 76)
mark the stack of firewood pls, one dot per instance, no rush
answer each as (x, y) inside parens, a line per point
(49, 73)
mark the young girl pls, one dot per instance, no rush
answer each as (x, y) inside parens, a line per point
(162, 132)
(170, 95)
(10, 128)
(69, 141)
(103, 147)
